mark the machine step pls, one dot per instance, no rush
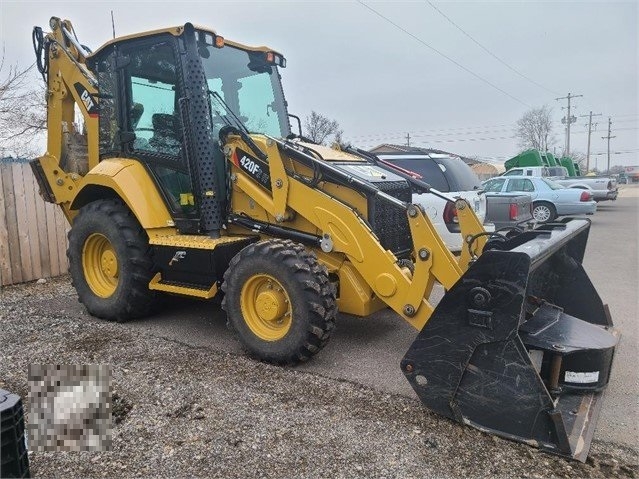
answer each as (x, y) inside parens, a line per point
(175, 287)
(194, 241)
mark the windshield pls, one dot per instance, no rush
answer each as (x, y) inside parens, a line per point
(552, 184)
(249, 86)
(494, 186)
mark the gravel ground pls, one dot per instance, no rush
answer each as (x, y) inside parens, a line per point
(190, 411)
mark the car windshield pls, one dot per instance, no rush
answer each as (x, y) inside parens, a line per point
(552, 185)
(494, 186)
(249, 85)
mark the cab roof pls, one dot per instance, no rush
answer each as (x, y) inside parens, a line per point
(177, 31)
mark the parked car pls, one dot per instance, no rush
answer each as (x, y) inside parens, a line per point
(451, 176)
(602, 188)
(550, 199)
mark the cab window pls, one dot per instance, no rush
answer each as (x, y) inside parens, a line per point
(152, 111)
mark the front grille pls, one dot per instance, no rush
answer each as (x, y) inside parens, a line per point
(389, 222)
(14, 461)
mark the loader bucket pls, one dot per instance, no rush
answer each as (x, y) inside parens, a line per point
(522, 345)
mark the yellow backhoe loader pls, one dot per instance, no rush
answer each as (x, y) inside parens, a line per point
(172, 156)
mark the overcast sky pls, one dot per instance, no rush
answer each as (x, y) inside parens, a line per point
(374, 73)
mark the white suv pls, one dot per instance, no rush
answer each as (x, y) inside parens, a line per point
(449, 175)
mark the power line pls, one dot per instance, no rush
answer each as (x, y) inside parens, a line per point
(489, 52)
(450, 140)
(562, 121)
(618, 129)
(425, 133)
(451, 130)
(442, 54)
(625, 152)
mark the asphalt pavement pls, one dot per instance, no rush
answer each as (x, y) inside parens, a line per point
(368, 351)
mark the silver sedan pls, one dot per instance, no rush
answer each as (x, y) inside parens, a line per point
(550, 199)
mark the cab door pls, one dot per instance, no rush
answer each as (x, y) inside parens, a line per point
(151, 115)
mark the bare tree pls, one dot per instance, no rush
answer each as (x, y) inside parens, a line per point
(22, 110)
(579, 158)
(534, 129)
(339, 142)
(616, 169)
(320, 128)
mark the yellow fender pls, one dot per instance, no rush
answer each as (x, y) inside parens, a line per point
(130, 181)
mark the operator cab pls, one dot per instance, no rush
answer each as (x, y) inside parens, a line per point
(160, 104)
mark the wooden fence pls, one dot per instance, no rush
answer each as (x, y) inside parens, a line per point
(33, 240)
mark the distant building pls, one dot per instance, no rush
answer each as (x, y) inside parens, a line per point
(485, 171)
(632, 172)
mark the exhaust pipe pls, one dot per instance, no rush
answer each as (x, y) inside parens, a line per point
(522, 345)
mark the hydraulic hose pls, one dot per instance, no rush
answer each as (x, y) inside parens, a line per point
(41, 49)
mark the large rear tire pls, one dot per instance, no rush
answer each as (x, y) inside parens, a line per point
(110, 261)
(280, 302)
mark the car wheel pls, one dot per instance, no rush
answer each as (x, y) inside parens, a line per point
(544, 212)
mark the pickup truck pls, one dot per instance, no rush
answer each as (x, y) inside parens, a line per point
(508, 211)
(602, 188)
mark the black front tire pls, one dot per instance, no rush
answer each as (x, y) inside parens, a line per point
(128, 242)
(307, 287)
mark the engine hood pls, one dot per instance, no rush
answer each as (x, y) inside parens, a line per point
(331, 154)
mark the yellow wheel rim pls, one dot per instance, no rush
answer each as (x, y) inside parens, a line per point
(266, 307)
(100, 265)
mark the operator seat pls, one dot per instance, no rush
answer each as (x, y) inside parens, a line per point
(164, 139)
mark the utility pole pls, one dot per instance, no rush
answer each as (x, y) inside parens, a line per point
(608, 138)
(407, 139)
(568, 119)
(589, 132)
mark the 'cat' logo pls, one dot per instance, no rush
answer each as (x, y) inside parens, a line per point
(87, 100)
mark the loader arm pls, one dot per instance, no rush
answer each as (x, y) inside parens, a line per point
(344, 231)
